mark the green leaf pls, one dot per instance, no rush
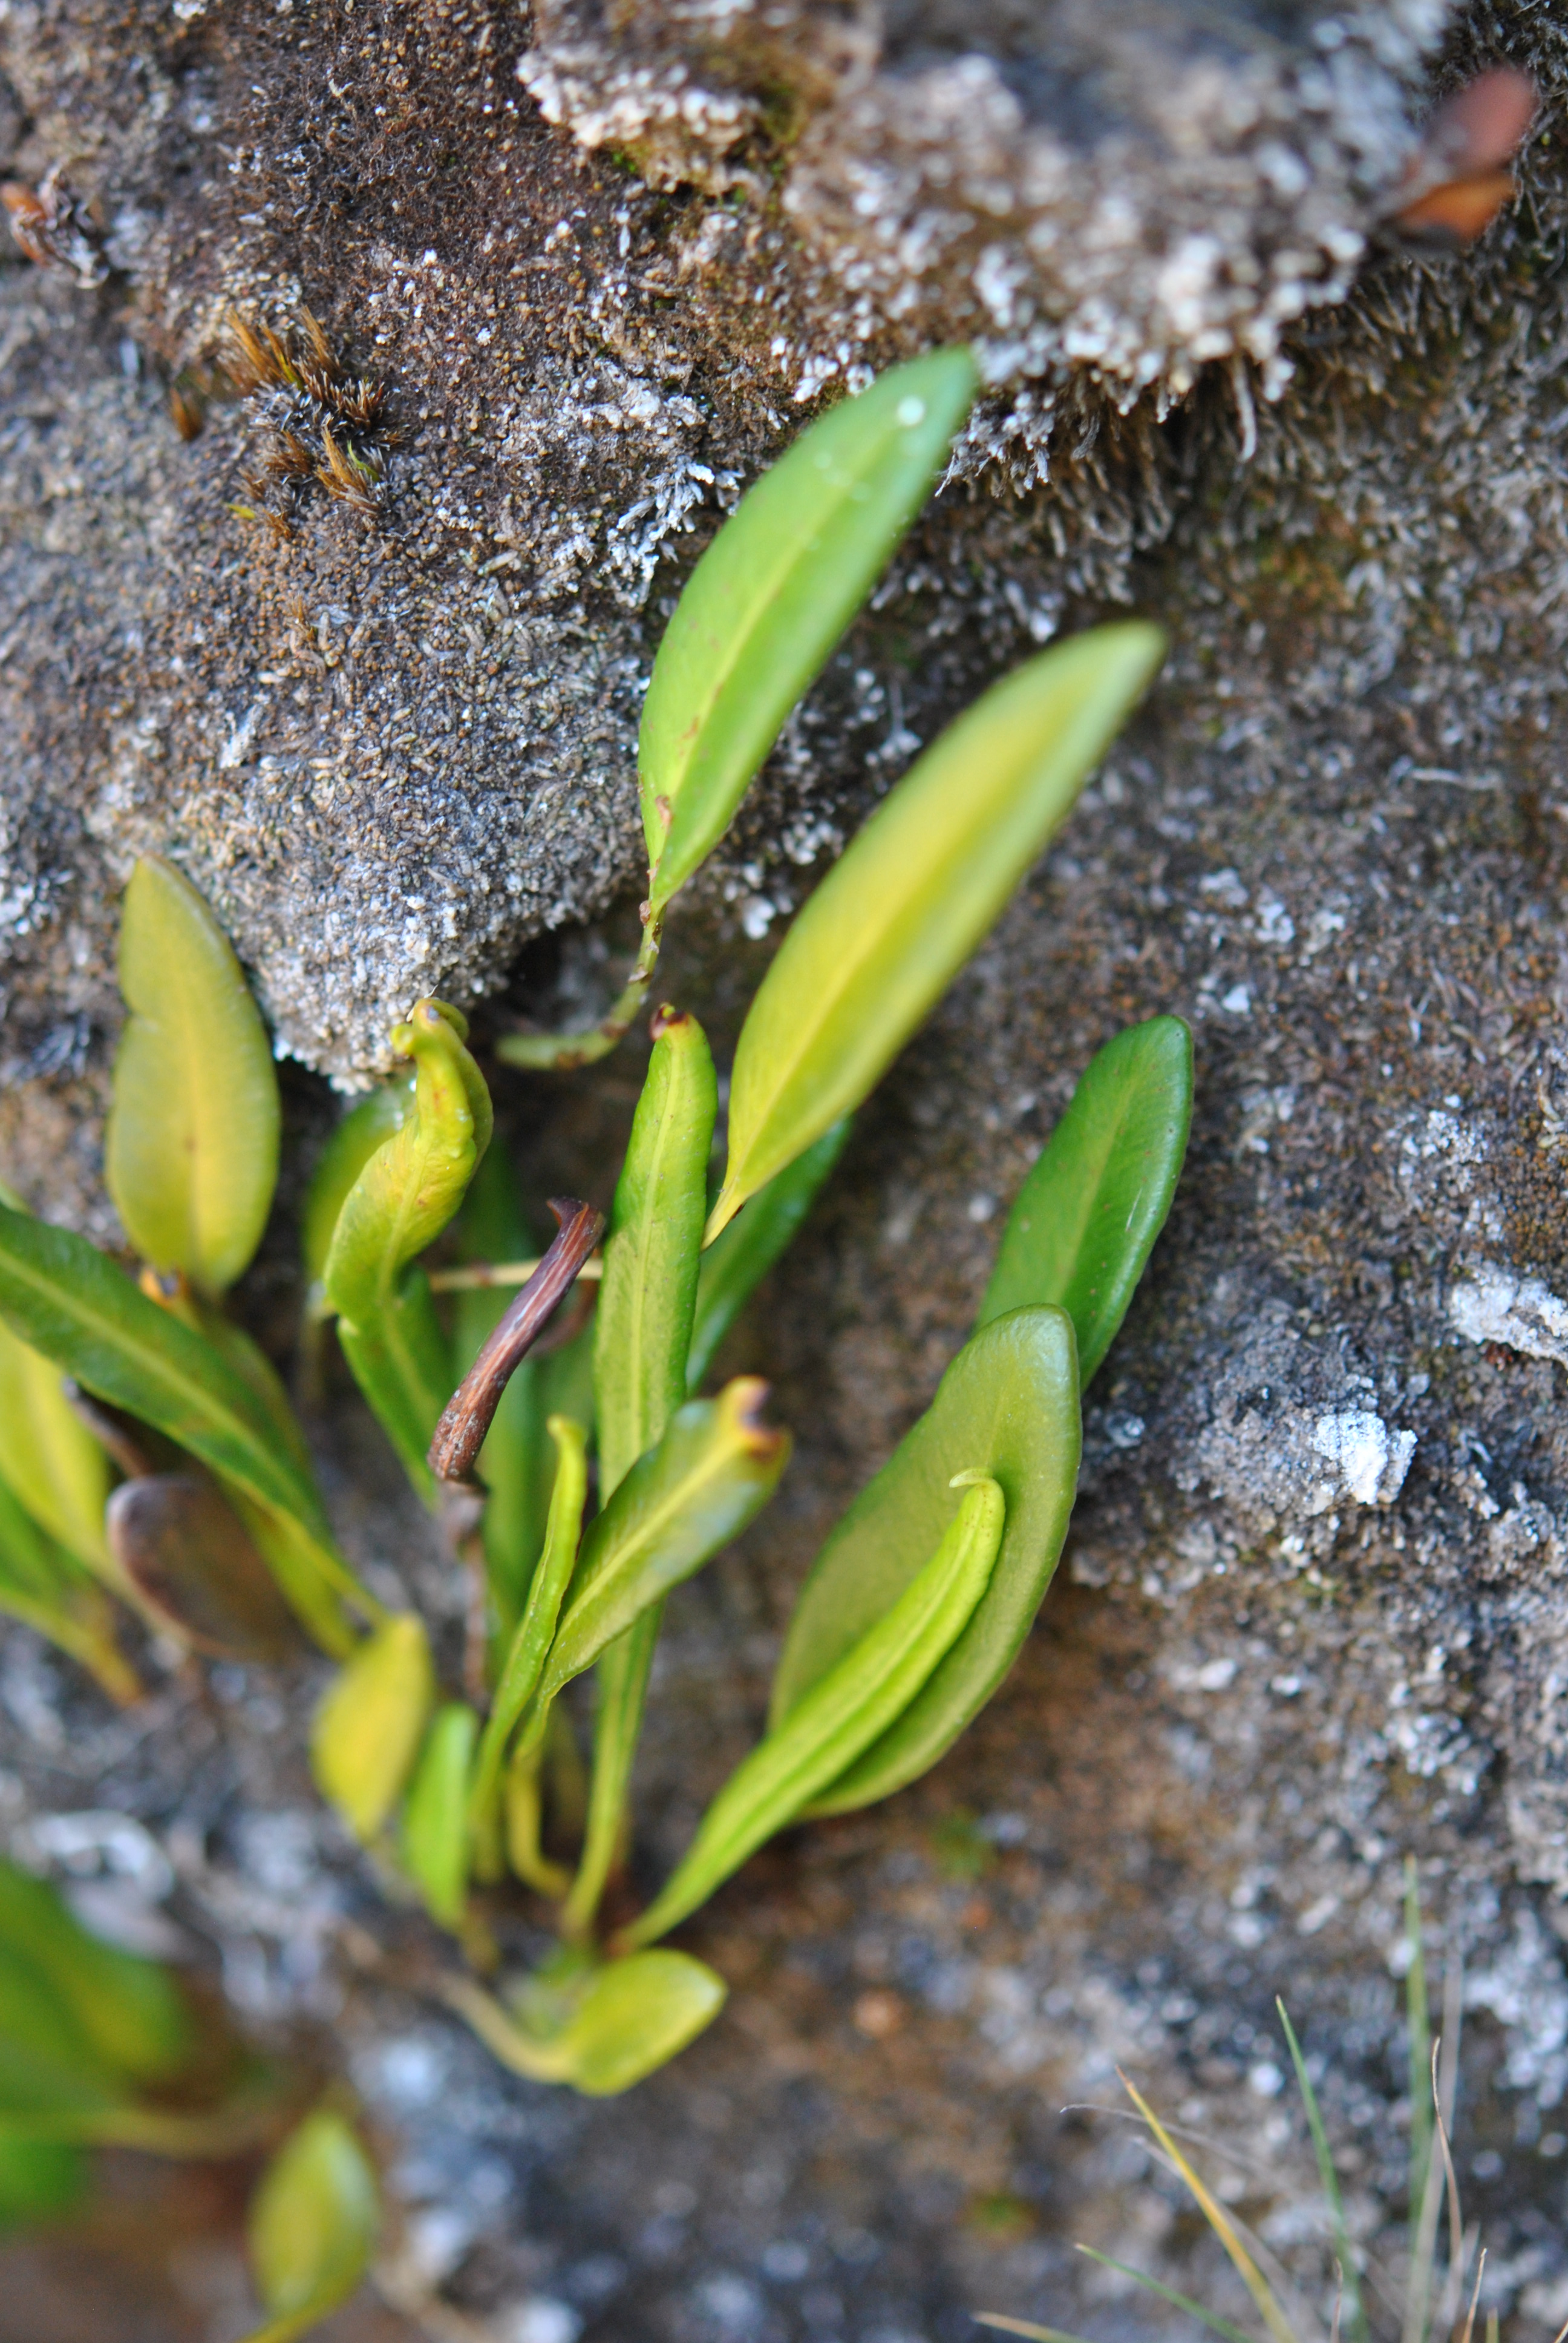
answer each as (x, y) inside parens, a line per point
(191, 1149)
(844, 1712)
(129, 2009)
(64, 1298)
(739, 1259)
(766, 603)
(435, 1814)
(716, 1467)
(363, 1129)
(369, 1728)
(1084, 1224)
(48, 1456)
(312, 2226)
(48, 1590)
(403, 1198)
(536, 1630)
(50, 2069)
(650, 1265)
(896, 918)
(642, 1335)
(39, 2180)
(1007, 1407)
(622, 2022)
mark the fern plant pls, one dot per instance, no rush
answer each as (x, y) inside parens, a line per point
(578, 1485)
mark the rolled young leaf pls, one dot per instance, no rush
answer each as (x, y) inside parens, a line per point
(366, 1127)
(314, 2221)
(738, 1261)
(369, 1728)
(716, 1467)
(642, 1333)
(530, 1645)
(1007, 1407)
(843, 1714)
(766, 605)
(895, 919)
(624, 2021)
(191, 1148)
(435, 1814)
(407, 1192)
(1086, 1218)
(61, 1296)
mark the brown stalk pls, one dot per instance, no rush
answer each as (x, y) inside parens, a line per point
(471, 1410)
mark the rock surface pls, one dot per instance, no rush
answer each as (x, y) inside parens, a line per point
(1314, 1616)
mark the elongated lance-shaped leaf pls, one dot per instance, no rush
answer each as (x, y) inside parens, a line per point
(715, 1468)
(626, 2020)
(1085, 1222)
(650, 1287)
(1007, 1407)
(366, 1127)
(846, 1711)
(404, 1197)
(643, 1331)
(896, 918)
(49, 1457)
(191, 1149)
(314, 2222)
(766, 605)
(369, 1728)
(530, 1644)
(739, 1259)
(435, 1814)
(64, 1298)
(49, 2066)
(130, 2009)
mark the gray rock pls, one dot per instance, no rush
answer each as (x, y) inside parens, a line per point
(1314, 1614)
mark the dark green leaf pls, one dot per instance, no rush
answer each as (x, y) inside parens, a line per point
(312, 2226)
(128, 2009)
(435, 1814)
(765, 606)
(1007, 1407)
(530, 1645)
(1086, 1216)
(623, 2021)
(896, 918)
(191, 1149)
(39, 2179)
(739, 1259)
(845, 1712)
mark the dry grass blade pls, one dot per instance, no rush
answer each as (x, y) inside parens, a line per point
(1219, 2220)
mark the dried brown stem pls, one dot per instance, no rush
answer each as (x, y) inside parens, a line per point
(470, 1411)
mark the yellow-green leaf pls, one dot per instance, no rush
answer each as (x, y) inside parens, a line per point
(765, 606)
(48, 1456)
(896, 918)
(129, 2009)
(844, 1712)
(435, 1814)
(312, 2225)
(618, 2024)
(191, 1150)
(369, 1728)
(366, 1127)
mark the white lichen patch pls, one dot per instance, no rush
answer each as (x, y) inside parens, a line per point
(1492, 1302)
(1371, 1459)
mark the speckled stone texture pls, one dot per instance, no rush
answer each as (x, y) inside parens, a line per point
(1313, 1616)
